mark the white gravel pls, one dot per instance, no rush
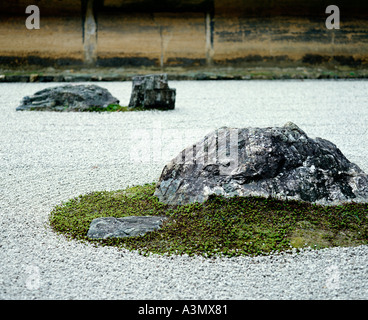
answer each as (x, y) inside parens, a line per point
(47, 158)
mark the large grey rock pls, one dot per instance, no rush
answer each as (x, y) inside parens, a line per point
(132, 226)
(281, 162)
(152, 92)
(68, 98)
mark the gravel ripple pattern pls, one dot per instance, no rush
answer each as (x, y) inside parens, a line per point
(47, 158)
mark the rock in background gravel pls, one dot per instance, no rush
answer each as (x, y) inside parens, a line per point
(68, 98)
(152, 92)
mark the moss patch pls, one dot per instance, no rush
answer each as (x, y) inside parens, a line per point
(220, 226)
(114, 108)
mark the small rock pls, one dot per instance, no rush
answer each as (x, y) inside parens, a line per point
(132, 226)
(152, 92)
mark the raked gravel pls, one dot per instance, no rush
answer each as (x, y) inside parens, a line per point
(47, 158)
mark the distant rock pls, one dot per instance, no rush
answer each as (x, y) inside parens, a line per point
(132, 226)
(68, 98)
(281, 162)
(152, 92)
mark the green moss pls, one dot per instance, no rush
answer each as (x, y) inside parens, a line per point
(220, 226)
(114, 108)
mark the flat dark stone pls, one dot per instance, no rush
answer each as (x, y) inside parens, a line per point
(132, 226)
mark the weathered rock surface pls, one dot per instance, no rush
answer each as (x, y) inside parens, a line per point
(281, 162)
(68, 98)
(132, 226)
(152, 92)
